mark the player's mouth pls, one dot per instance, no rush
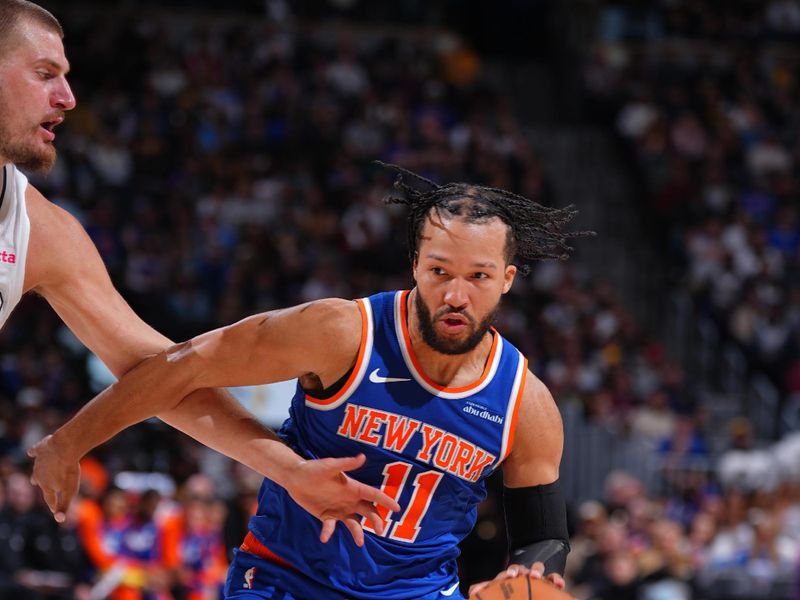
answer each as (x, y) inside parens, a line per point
(454, 323)
(47, 127)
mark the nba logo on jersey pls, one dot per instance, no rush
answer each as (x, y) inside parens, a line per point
(249, 576)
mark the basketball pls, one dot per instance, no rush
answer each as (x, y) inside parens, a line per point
(521, 587)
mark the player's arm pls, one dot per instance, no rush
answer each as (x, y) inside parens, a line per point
(66, 269)
(314, 338)
(535, 510)
(536, 517)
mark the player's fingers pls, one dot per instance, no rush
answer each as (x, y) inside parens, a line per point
(557, 580)
(354, 525)
(367, 509)
(372, 494)
(34, 450)
(477, 587)
(62, 504)
(513, 571)
(328, 527)
(537, 570)
(49, 496)
(346, 463)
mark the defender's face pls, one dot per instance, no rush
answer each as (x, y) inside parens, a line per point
(34, 95)
(461, 273)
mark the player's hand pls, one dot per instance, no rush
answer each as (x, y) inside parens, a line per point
(57, 475)
(535, 572)
(322, 488)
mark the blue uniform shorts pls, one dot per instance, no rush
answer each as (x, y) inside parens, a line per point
(251, 577)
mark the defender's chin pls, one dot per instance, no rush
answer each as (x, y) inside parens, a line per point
(40, 158)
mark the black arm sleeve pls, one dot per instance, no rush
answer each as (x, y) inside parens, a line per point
(536, 523)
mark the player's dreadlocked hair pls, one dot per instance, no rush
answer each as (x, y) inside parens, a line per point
(535, 231)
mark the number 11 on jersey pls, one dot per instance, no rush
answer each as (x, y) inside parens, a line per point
(394, 480)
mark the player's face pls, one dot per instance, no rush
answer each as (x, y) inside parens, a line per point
(34, 94)
(461, 273)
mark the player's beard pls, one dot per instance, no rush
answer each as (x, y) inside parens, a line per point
(24, 151)
(448, 345)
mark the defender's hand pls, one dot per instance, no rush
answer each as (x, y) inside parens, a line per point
(322, 488)
(535, 572)
(57, 474)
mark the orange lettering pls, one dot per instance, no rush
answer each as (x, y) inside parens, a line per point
(463, 456)
(431, 436)
(353, 418)
(445, 451)
(398, 432)
(375, 420)
(482, 460)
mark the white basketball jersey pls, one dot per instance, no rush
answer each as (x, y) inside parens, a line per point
(15, 230)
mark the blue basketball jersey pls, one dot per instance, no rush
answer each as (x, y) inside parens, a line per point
(429, 447)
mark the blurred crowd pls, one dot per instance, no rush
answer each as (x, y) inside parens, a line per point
(224, 168)
(707, 101)
(704, 96)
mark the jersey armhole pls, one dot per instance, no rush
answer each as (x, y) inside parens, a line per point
(356, 373)
(3, 188)
(515, 401)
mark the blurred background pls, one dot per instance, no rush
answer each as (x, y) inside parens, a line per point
(219, 157)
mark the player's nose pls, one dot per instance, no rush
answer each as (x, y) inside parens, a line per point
(62, 96)
(456, 293)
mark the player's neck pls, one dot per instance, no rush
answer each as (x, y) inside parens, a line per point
(449, 370)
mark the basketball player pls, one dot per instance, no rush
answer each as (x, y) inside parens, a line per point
(417, 380)
(44, 249)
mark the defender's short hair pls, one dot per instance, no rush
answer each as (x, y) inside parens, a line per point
(14, 12)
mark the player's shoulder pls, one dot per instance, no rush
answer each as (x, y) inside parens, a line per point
(539, 440)
(536, 389)
(58, 244)
(335, 324)
(334, 312)
(538, 401)
(46, 217)
(328, 322)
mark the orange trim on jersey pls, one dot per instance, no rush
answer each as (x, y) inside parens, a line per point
(362, 349)
(512, 430)
(252, 545)
(452, 390)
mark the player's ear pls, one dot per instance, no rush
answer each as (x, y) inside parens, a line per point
(414, 265)
(509, 275)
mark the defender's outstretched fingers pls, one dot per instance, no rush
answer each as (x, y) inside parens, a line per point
(369, 512)
(353, 523)
(347, 463)
(365, 492)
(328, 527)
(377, 497)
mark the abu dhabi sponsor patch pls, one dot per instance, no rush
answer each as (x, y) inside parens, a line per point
(476, 410)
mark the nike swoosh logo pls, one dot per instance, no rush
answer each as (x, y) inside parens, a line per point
(451, 590)
(375, 378)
